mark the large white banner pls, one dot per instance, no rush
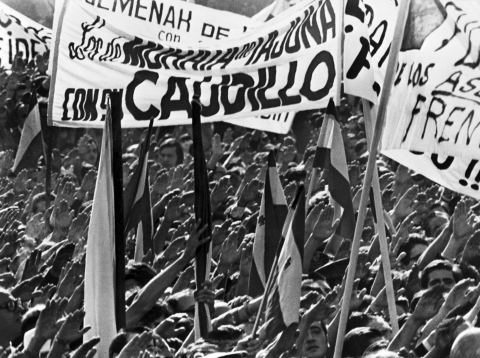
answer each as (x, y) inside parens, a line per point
(434, 108)
(369, 27)
(18, 34)
(289, 63)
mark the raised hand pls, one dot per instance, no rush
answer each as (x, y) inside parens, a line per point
(174, 250)
(32, 265)
(137, 344)
(160, 185)
(325, 227)
(221, 192)
(406, 205)
(7, 158)
(63, 217)
(25, 289)
(459, 295)
(177, 178)
(86, 350)
(79, 227)
(231, 253)
(290, 191)
(167, 328)
(343, 250)
(71, 329)
(174, 209)
(47, 324)
(461, 227)
(217, 147)
(220, 233)
(193, 242)
(20, 184)
(251, 191)
(89, 181)
(71, 277)
(429, 304)
(322, 309)
(184, 280)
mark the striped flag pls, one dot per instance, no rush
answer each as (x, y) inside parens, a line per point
(32, 141)
(203, 212)
(330, 155)
(273, 212)
(100, 259)
(137, 204)
(283, 304)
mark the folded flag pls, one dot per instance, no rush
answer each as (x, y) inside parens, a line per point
(273, 212)
(32, 140)
(100, 256)
(137, 204)
(283, 304)
(330, 156)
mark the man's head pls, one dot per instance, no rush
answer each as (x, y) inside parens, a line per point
(367, 320)
(358, 340)
(316, 343)
(170, 153)
(467, 344)
(438, 272)
(10, 317)
(413, 248)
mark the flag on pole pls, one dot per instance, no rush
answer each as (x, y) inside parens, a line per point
(32, 141)
(330, 156)
(273, 212)
(283, 304)
(137, 204)
(203, 212)
(100, 260)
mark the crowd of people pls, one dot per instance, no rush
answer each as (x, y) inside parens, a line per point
(433, 246)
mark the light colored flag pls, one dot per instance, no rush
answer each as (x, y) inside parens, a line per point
(283, 304)
(100, 260)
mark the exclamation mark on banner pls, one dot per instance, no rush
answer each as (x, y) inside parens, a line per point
(468, 172)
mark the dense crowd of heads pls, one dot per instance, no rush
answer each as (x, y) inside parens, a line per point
(432, 234)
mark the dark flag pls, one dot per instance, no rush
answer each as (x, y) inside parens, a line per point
(137, 204)
(273, 212)
(203, 212)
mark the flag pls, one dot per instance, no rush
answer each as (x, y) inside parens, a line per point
(203, 212)
(136, 202)
(273, 212)
(32, 140)
(330, 156)
(283, 303)
(100, 260)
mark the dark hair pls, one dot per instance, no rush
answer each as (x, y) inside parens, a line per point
(358, 340)
(38, 198)
(434, 266)
(140, 272)
(358, 320)
(173, 143)
(408, 245)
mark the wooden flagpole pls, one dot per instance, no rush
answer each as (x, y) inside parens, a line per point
(392, 310)
(367, 183)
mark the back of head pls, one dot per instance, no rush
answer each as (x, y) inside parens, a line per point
(467, 344)
(358, 340)
(384, 353)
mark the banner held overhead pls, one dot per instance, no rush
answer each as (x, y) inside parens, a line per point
(287, 64)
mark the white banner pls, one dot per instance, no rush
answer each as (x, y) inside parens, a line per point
(369, 27)
(289, 63)
(435, 103)
(18, 33)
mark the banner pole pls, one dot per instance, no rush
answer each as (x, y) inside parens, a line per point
(387, 273)
(117, 171)
(387, 87)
